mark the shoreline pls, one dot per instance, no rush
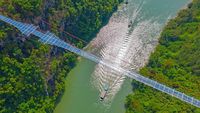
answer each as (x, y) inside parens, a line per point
(165, 65)
(78, 58)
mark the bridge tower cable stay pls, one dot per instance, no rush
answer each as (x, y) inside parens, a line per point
(51, 39)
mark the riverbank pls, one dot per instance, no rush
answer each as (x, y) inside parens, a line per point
(88, 35)
(32, 74)
(175, 63)
(81, 94)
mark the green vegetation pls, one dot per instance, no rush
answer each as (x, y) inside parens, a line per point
(32, 74)
(175, 63)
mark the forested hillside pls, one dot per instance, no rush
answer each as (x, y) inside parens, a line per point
(176, 63)
(32, 74)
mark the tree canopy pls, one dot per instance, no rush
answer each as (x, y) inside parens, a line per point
(32, 75)
(175, 63)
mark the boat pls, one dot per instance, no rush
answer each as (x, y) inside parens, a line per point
(126, 2)
(104, 93)
(130, 23)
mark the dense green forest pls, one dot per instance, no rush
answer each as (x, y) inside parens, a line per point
(32, 74)
(176, 63)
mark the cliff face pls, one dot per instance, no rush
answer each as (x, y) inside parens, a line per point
(32, 74)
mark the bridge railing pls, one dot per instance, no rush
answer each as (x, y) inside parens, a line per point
(49, 38)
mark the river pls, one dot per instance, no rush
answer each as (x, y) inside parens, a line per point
(127, 40)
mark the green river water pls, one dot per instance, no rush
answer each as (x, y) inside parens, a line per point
(81, 96)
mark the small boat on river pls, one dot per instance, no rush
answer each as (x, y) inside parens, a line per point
(104, 93)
